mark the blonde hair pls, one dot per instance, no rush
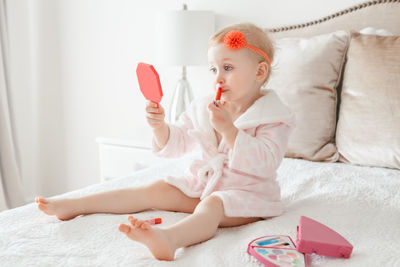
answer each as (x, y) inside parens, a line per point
(254, 36)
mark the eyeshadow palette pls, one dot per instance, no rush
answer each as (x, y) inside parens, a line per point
(312, 237)
(275, 251)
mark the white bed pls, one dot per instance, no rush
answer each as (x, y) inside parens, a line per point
(359, 202)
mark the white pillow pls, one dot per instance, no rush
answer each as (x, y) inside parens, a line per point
(373, 31)
(305, 74)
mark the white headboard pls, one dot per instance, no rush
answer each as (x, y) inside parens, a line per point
(379, 14)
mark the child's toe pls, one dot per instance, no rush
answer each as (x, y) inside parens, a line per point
(42, 207)
(138, 223)
(133, 221)
(124, 228)
(41, 200)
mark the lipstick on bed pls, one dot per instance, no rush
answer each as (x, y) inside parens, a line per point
(218, 96)
(154, 221)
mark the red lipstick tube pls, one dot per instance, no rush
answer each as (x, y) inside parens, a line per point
(154, 221)
(218, 96)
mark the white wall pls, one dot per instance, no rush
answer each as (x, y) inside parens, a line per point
(73, 75)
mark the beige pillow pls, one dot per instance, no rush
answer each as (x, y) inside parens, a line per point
(305, 74)
(368, 131)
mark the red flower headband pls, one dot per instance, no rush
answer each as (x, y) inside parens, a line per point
(236, 40)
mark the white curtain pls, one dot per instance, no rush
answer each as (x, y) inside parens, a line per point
(11, 194)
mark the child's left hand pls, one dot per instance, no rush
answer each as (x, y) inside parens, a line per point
(220, 119)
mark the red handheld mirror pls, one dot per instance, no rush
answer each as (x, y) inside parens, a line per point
(149, 82)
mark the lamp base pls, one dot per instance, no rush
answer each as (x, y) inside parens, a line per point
(181, 98)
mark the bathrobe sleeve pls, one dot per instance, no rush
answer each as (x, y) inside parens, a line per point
(179, 142)
(260, 154)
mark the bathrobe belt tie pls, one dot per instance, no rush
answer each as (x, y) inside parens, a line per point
(211, 172)
(210, 168)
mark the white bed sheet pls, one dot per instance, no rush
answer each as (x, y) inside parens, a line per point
(361, 203)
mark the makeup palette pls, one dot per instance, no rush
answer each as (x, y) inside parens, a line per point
(312, 237)
(275, 251)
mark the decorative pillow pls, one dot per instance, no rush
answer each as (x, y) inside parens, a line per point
(373, 31)
(368, 131)
(305, 74)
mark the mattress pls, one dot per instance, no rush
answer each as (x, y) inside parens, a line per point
(360, 203)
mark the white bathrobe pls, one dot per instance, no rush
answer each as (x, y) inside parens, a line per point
(244, 177)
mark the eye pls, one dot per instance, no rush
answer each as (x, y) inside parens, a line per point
(213, 69)
(228, 68)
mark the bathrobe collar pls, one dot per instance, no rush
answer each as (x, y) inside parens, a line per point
(267, 109)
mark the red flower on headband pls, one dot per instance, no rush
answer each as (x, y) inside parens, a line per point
(234, 40)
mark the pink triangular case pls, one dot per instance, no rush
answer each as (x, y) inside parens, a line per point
(314, 237)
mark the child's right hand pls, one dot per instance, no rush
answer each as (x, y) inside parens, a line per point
(155, 114)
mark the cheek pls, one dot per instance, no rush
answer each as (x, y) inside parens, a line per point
(239, 80)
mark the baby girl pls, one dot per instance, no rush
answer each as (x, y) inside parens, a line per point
(243, 138)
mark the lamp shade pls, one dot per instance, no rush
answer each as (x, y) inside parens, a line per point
(182, 36)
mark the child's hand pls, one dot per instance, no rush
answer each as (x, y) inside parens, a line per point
(220, 119)
(155, 114)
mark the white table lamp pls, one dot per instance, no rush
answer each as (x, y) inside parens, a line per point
(182, 40)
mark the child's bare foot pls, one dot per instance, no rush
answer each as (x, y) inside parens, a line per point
(154, 238)
(64, 209)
